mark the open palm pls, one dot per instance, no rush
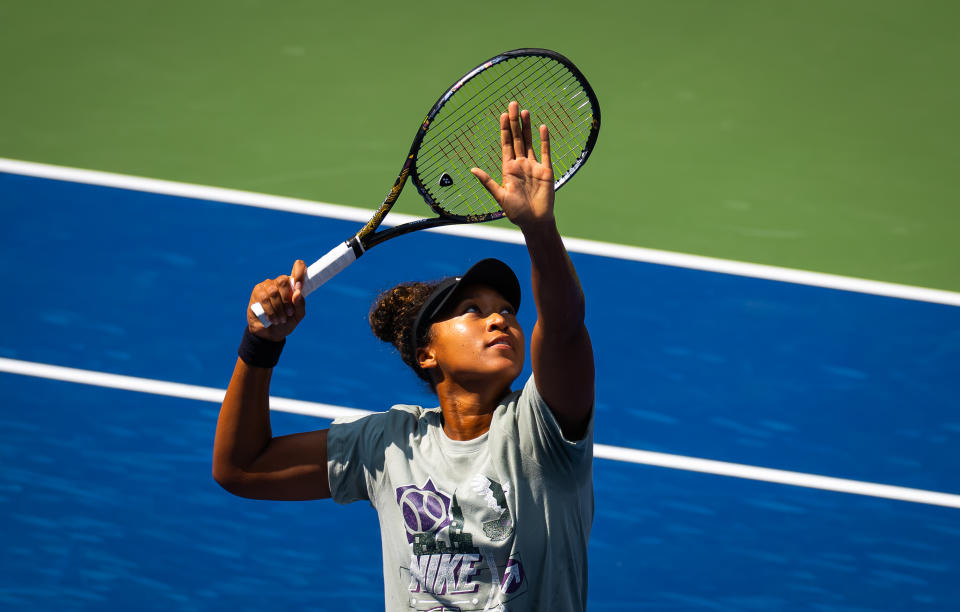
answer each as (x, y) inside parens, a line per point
(526, 195)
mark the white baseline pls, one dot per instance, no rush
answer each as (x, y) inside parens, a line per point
(498, 234)
(602, 451)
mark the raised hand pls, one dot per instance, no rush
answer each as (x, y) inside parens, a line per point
(526, 195)
(282, 301)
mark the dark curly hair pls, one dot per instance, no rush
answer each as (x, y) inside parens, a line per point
(392, 317)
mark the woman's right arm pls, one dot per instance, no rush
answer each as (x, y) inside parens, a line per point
(247, 460)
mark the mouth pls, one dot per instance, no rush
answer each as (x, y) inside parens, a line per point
(501, 341)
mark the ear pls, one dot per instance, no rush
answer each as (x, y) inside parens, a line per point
(426, 358)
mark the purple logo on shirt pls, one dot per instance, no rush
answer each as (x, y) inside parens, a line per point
(512, 576)
(425, 509)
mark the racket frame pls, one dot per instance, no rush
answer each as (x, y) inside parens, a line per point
(366, 236)
(349, 251)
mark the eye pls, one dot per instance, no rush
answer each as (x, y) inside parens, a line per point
(507, 310)
(471, 307)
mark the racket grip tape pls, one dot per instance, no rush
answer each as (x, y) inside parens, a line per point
(321, 271)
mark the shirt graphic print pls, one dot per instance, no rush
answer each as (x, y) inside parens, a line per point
(451, 564)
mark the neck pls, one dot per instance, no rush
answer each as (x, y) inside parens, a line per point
(467, 413)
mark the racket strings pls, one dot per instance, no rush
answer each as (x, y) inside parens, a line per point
(474, 95)
(465, 132)
(517, 91)
(456, 121)
(489, 79)
(558, 120)
(478, 116)
(563, 156)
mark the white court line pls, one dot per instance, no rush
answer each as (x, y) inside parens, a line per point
(602, 451)
(498, 234)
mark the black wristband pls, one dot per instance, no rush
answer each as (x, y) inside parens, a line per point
(258, 352)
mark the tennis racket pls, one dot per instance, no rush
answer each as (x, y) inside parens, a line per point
(461, 131)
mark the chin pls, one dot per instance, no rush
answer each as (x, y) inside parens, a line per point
(513, 371)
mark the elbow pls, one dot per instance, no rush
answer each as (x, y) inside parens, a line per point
(228, 477)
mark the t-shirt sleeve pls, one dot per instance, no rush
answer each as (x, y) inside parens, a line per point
(352, 458)
(541, 437)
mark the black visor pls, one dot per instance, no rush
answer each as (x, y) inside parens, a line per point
(491, 272)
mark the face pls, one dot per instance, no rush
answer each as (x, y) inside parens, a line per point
(476, 340)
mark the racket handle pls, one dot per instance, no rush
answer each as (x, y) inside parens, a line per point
(321, 271)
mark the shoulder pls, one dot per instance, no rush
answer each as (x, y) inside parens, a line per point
(525, 415)
(357, 442)
(399, 418)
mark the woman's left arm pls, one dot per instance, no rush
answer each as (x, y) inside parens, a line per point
(560, 345)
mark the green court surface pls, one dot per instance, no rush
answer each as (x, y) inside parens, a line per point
(815, 135)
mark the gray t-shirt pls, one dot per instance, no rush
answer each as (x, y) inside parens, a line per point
(500, 522)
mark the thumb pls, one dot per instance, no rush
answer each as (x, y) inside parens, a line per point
(297, 277)
(488, 183)
(299, 273)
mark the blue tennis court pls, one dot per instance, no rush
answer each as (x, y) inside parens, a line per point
(108, 503)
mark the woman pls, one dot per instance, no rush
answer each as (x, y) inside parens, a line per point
(485, 502)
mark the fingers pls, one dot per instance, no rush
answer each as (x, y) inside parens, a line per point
(545, 146)
(280, 298)
(276, 299)
(282, 301)
(506, 138)
(516, 134)
(527, 134)
(516, 129)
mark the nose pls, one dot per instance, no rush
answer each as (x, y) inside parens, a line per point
(496, 321)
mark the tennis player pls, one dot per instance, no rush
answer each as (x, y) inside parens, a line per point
(485, 502)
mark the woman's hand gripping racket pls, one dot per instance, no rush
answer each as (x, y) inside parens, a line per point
(460, 133)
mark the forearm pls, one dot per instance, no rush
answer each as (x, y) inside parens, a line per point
(560, 350)
(247, 459)
(556, 289)
(243, 428)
